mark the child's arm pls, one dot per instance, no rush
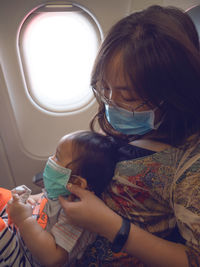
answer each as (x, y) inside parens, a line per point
(40, 243)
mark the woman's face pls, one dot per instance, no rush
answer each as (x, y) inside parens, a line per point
(117, 89)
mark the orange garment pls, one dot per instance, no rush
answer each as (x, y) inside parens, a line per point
(5, 196)
(42, 217)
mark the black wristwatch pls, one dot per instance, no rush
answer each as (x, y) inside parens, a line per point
(121, 237)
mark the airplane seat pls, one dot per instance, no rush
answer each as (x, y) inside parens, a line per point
(38, 179)
(194, 13)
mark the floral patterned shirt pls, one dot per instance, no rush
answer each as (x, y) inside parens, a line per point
(157, 192)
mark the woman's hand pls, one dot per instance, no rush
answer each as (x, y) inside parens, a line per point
(91, 213)
(18, 211)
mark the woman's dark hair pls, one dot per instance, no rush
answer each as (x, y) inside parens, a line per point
(94, 158)
(159, 48)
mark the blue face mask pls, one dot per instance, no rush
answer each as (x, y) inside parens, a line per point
(126, 122)
(55, 179)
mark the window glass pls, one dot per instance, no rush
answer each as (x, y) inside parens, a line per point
(58, 48)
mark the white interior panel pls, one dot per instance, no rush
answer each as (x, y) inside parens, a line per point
(40, 130)
(7, 179)
(183, 4)
(137, 5)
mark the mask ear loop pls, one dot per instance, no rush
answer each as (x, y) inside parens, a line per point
(161, 120)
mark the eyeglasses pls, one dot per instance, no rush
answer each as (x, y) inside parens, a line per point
(117, 105)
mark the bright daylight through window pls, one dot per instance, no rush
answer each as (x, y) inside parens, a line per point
(58, 50)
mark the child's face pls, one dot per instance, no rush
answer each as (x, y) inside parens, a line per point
(63, 155)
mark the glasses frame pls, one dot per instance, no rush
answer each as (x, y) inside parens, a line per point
(111, 103)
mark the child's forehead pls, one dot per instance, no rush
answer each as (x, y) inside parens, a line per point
(70, 136)
(67, 139)
(64, 148)
(65, 142)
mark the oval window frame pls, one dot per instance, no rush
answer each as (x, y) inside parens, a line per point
(81, 103)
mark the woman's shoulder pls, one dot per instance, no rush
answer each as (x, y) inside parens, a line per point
(158, 150)
(142, 153)
(150, 145)
(193, 142)
(172, 162)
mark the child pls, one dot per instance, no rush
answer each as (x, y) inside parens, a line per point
(43, 236)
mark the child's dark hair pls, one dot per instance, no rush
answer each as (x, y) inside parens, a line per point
(94, 158)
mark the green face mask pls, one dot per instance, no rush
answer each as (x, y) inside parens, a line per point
(55, 179)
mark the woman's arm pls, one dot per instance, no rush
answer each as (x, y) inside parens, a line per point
(40, 243)
(91, 213)
(155, 251)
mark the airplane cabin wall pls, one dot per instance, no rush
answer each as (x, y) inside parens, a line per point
(183, 4)
(29, 135)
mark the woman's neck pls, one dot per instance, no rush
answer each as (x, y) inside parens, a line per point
(150, 144)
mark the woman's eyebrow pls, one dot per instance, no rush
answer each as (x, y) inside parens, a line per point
(127, 89)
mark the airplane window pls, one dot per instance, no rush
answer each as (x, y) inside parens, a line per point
(57, 47)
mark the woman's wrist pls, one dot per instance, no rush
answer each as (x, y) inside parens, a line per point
(111, 226)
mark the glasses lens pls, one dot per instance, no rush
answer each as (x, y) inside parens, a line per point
(105, 94)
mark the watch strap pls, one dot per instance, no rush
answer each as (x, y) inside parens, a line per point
(122, 236)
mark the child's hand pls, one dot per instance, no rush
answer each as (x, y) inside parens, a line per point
(18, 211)
(33, 199)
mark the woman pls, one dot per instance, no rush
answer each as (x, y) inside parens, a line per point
(147, 81)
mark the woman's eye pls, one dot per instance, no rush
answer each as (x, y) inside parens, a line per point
(126, 96)
(106, 92)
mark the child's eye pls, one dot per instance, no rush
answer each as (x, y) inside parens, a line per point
(56, 157)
